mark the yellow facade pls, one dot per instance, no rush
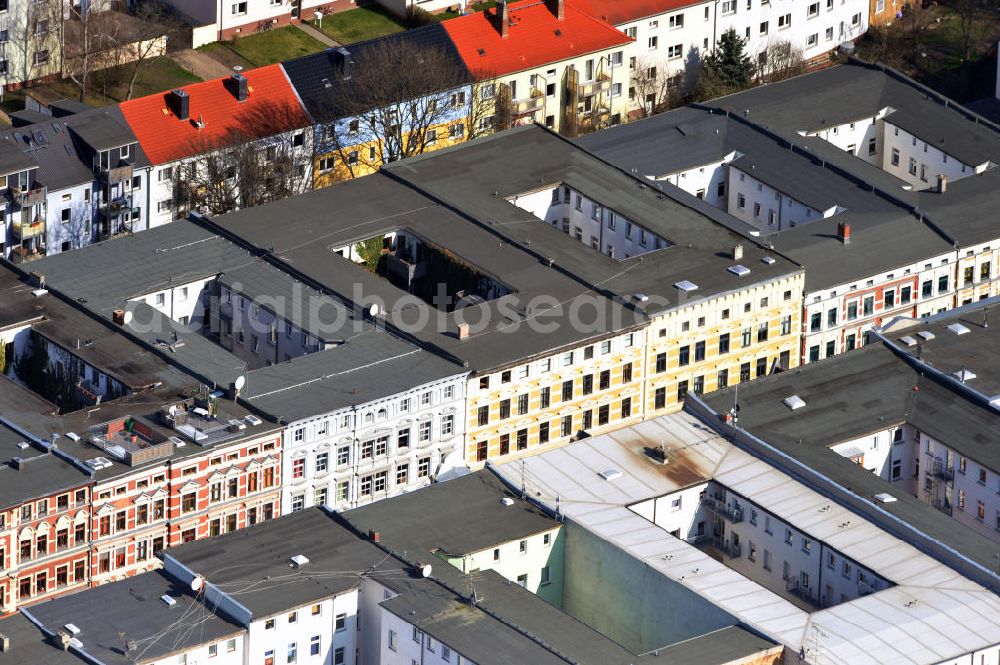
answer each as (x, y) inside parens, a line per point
(604, 382)
(331, 167)
(687, 348)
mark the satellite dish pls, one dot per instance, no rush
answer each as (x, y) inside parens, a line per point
(425, 570)
(127, 318)
(197, 582)
(240, 382)
(373, 311)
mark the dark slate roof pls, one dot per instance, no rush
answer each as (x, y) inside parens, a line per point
(241, 563)
(64, 107)
(310, 74)
(134, 607)
(39, 473)
(459, 516)
(30, 645)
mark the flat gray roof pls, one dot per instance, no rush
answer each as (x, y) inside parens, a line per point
(459, 516)
(134, 607)
(30, 645)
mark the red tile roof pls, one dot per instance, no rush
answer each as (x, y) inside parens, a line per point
(617, 12)
(271, 107)
(536, 38)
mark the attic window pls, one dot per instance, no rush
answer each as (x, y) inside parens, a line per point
(610, 474)
(685, 285)
(558, 33)
(739, 270)
(482, 51)
(958, 329)
(794, 402)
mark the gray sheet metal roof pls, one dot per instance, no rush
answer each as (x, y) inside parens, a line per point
(134, 607)
(460, 516)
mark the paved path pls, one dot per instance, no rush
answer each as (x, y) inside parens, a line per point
(200, 64)
(317, 34)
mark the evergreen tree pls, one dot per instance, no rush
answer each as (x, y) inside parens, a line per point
(728, 68)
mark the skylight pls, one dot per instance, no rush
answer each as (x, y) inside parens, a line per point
(794, 402)
(958, 329)
(739, 270)
(685, 285)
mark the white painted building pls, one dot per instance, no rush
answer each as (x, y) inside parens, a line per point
(373, 450)
(814, 26)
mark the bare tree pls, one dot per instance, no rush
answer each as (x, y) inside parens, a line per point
(915, 20)
(243, 170)
(90, 38)
(393, 100)
(155, 19)
(970, 23)
(651, 90)
(780, 60)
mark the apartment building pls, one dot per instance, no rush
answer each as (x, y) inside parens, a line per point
(44, 523)
(349, 145)
(230, 132)
(693, 503)
(73, 178)
(790, 175)
(231, 20)
(31, 48)
(546, 62)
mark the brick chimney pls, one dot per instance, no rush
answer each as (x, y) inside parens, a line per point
(503, 19)
(942, 183)
(844, 232)
(558, 8)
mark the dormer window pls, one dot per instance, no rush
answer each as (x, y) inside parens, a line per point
(125, 152)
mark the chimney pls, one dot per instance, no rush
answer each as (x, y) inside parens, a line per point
(463, 330)
(737, 252)
(942, 183)
(558, 8)
(4, 643)
(179, 103)
(118, 316)
(343, 60)
(238, 84)
(503, 18)
(374, 536)
(844, 232)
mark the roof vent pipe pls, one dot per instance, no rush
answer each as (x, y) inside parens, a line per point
(558, 8)
(737, 252)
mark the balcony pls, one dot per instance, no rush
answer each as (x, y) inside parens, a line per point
(732, 514)
(729, 548)
(529, 105)
(115, 174)
(25, 230)
(21, 254)
(27, 197)
(600, 86)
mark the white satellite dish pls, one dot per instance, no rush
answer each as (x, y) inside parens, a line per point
(240, 382)
(373, 311)
(128, 317)
(197, 582)
(426, 570)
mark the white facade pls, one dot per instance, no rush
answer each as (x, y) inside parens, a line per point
(676, 41)
(183, 303)
(358, 455)
(321, 633)
(766, 208)
(706, 182)
(814, 26)
(229, 651)
(404, 643)
(589, 221)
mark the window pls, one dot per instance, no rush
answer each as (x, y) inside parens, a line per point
(813, 10)
(811, 41)
(314, 645)
(895, 157)
(391, 640)
(675, 51)
(784, 21)
(293, 650)
(652, 43)
(238, 9)
(676, 21)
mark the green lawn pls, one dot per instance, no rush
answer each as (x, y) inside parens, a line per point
(264, 48)
(357, 25)
(475, 7)
(110, 86)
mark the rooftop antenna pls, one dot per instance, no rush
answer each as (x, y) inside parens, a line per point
(986, 322)
(735, 412)
(524, 492)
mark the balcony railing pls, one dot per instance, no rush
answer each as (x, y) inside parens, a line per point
(26, 197)
(25, 230)
(600, 86)
(115, 174)
(531, 104)
(733, 514)
(22, 255)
